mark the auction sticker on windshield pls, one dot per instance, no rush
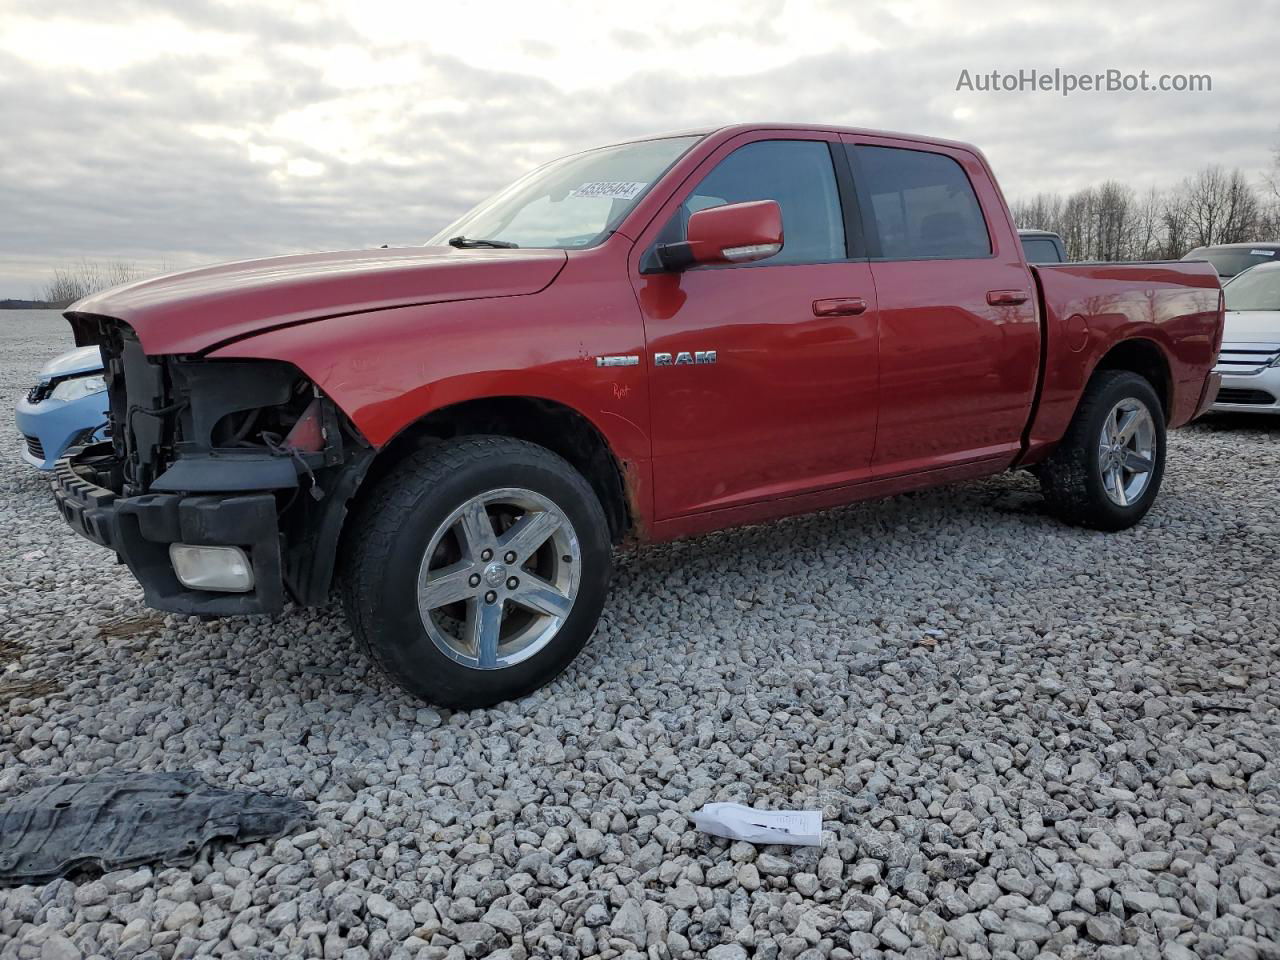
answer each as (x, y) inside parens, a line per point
(612, 189)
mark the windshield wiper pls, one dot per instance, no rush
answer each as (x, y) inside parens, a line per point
(466, 243)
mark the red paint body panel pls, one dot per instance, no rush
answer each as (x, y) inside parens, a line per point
(392, 367)
(940, 337)
(710, 231)
(1090, 308)
(807, 406)
(760, 512)
(790, 405)
(189, 312)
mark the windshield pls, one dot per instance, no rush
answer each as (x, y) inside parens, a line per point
(572, 202)
(1256, 289)
(1230, 261)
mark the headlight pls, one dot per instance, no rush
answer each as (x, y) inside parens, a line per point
(78, 387)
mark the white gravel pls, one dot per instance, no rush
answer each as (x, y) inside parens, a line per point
(1026, 740)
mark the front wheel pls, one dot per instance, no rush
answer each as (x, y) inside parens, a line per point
(477, 570)
(1107, 470)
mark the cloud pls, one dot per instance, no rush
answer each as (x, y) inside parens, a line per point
(238, 130)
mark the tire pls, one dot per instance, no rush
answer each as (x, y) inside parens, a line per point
(428, 621)
(1079, 479)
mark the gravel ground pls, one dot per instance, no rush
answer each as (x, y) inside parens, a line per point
(1026, 740)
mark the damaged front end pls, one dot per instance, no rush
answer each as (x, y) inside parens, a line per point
(225, 482)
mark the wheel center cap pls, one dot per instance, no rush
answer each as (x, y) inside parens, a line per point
(495, 573)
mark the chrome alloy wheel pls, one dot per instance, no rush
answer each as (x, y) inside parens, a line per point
(499, 578)
(1127, 451)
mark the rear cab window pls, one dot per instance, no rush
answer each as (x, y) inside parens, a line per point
(922, 204)
(1040, 250)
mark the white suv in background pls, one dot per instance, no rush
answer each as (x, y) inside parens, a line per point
(1250, 357)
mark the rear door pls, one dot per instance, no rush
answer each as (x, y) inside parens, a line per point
(764, 383)
(959, 337)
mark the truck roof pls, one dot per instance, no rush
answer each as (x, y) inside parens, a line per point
(735, 128)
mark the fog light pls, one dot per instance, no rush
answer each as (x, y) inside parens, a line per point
(225, 569)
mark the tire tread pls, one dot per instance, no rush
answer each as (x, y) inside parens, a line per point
(1066, 474)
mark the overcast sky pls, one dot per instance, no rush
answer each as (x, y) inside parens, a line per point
(233, 130)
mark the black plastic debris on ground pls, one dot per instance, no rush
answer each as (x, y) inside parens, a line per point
(125, 819)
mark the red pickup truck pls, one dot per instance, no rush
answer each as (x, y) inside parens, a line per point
(636, 343)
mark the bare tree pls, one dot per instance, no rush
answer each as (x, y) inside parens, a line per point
(1221, 207)
(1269, 203)
(1271, 179)
(1115, 221)
(1175, 215)
(1148, 239)
(1243, 210)
(1041, 212)
(69, 284)
(1269, 221)
(1077, 226)
(1206, 203)
(1111, 222)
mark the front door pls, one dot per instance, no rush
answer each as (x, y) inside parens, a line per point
(765, 379)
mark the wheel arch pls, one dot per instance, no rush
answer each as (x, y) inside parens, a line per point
(1145, 357)
(552, 424)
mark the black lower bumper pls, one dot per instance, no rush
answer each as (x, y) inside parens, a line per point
(140, 530)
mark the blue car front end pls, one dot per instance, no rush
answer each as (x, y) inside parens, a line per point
(67, 406)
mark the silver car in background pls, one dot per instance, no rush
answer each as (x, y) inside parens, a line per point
(1232, 259)
(1250, 357)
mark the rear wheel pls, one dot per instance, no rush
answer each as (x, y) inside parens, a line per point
(477, 570)
(1107, 471)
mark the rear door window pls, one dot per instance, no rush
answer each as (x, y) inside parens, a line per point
(923, 204)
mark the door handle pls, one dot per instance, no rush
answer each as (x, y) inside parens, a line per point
(1007, 298)
(839, 307)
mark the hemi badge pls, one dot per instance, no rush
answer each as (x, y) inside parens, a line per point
(630, 360)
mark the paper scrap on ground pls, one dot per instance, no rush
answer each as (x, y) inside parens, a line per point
(801, 828)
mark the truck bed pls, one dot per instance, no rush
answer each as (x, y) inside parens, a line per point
(1087, 308)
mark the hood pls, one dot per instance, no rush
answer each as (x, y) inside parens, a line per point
(192, 311)
(1251, 326)
(73, 362)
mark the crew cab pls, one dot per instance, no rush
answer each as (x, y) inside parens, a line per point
(635, 343)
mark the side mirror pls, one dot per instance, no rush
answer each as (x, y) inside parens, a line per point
(732, 233)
